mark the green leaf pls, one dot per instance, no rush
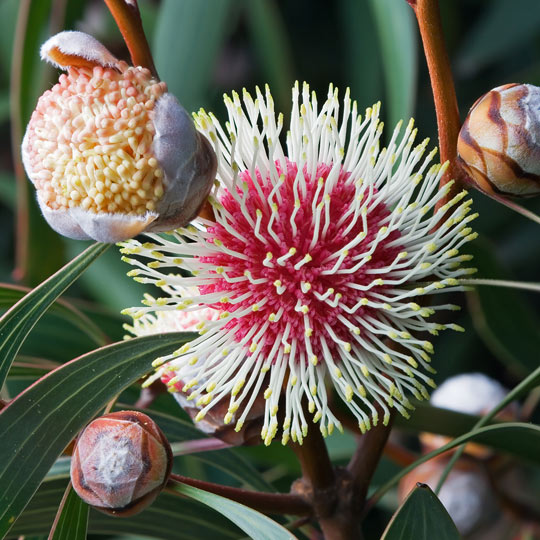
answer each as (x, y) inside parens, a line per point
(397, 35)
(422, 517)
(500, 315)
(507, 436)
(8, 17)
(37, 425)
(105, 280)
(28, 367)
(16, 324)
(253, 523)
(272, 47)
(168, 518)
(188, 39)
(40, 249)
(362, 60)
(11, 294)
(7, 189)
(71, 521)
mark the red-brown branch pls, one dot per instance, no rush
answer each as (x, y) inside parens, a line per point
(442, 83)
(127, 17)
(272, 503)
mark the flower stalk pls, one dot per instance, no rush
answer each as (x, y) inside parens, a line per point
(444, 93)
(128, 18)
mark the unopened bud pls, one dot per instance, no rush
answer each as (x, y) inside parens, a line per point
(120, 463)
(499, 143)
(469, 393)
(110, 152)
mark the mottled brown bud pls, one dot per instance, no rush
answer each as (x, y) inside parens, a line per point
(120, 463)
(499, 143)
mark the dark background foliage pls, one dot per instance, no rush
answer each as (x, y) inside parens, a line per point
(203, 48)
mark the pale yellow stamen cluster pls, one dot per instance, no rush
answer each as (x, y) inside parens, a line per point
(89, 142)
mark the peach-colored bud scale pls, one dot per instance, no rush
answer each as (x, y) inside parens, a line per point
(89, 142)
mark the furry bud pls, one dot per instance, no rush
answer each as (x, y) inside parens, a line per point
(120, 463)
(110, 152)
(499, 143)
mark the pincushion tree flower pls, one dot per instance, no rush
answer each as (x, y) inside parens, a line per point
(110, 152)
(319, 262)
(315, 275)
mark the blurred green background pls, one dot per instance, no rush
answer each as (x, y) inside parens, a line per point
(203, 48)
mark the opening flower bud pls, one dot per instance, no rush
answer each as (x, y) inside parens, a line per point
(499, 143)
(120, 463)
(110, 152)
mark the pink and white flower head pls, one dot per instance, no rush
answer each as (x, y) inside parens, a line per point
(318, 260)
(110, 152)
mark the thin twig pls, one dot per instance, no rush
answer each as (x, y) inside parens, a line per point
(516, 207)
(127, 17)
(273, 503)
(198, 445)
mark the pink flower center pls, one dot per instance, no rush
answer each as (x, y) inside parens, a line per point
(305, 283)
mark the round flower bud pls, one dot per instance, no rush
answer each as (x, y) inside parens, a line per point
(120, 463)
(110, 152)
(466, 494)
(469, 393)
(499, 143)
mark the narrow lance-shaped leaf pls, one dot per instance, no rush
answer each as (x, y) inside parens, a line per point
(37, 425)
(160, 520)
(71, 521)
(11, 294)
(39, 249)
(16, 323)
(253, 523)
(501, 314)
(422, 517)
(397, 35)
(180, 25)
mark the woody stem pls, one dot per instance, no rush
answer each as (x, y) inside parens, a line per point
(327, 489)
(442, 84)
(127, 17)
(273, 503)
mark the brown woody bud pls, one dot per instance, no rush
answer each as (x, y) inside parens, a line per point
(120, 463)
(499, 143)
